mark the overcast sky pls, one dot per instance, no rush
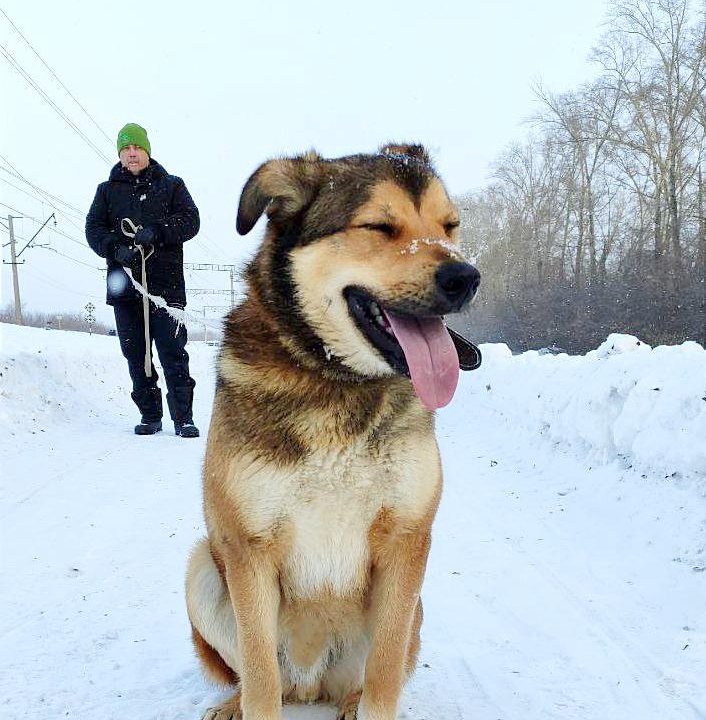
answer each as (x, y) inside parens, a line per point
(221, 87)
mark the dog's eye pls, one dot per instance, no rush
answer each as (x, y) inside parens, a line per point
(386, 228)
(450, 226)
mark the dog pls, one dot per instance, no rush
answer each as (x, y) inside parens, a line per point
(322, 473)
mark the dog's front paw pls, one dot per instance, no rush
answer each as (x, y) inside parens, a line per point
(230, 710)
(349, 707)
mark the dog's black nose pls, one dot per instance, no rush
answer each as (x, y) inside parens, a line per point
(456, 284)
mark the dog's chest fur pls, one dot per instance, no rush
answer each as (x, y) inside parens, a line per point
(324, 508)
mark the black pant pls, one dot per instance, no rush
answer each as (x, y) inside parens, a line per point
(170, 340)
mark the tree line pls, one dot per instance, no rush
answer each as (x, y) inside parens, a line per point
(596, 223)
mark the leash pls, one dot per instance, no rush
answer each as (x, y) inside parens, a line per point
(129, 229)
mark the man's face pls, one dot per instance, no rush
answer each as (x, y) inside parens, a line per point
(134, 158)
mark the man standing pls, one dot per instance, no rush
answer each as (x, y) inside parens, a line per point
(159, 211)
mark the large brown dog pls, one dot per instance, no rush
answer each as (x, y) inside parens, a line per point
(322, 472)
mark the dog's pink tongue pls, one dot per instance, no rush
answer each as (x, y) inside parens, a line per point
(431, 357)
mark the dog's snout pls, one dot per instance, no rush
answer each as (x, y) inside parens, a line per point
(456, 284)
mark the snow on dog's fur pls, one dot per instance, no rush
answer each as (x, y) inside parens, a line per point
(322, 474)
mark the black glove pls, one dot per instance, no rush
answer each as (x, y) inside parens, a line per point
(148, 235)
(126, 255)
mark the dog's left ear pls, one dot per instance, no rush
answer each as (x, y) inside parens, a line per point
(282, 187)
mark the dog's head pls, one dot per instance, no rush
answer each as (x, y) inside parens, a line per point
(359, 264)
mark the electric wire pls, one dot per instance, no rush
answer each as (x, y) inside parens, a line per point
(52, 281)
(45, 247)
(39, 199)
(211, 244)
(68, 257)
(56, 77)
(47, 196)
(16, 65)
(14, 172)
(82, 243)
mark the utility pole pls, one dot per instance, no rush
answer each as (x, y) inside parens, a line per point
(14, 263)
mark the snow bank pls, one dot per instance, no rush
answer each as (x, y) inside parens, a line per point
(53, 376)
(623, 399)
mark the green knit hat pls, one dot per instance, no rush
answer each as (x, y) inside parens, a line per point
(134, 134)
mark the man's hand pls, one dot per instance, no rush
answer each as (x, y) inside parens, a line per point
(126, 255)
(147, 236)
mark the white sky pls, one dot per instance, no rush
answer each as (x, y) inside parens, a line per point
(222, 87)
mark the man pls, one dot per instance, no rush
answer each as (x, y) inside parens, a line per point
(164, 216)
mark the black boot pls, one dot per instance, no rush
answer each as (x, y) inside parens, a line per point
(179, 400)
(148, 428)
(149, 403)
(186, 430)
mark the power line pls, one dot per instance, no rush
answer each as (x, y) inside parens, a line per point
(51, 281)
(54, 250)
(47, 196)
(14, 172)
(8, 56)
(210, 266)
(209, 243)
(9, 207)
(68, 257)
(56, 77)
(37, 220)
(207, 291)
(42, 200)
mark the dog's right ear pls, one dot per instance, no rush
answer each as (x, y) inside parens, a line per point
(282, 187)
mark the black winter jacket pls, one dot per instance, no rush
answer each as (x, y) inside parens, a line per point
(151, 198)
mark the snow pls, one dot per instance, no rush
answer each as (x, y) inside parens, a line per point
(568, 570)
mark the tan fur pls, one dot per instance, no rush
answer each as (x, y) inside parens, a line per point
(322, 474)
(214, 665)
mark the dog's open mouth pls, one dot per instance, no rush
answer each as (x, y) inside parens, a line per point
(417, 346)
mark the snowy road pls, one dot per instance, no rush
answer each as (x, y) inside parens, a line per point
(555, 589)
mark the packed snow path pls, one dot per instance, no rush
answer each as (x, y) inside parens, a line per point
(556, 588)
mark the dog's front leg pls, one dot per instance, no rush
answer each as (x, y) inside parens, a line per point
(396, 583)
(254, 591)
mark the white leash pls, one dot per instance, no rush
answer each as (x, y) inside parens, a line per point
(129, 229)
